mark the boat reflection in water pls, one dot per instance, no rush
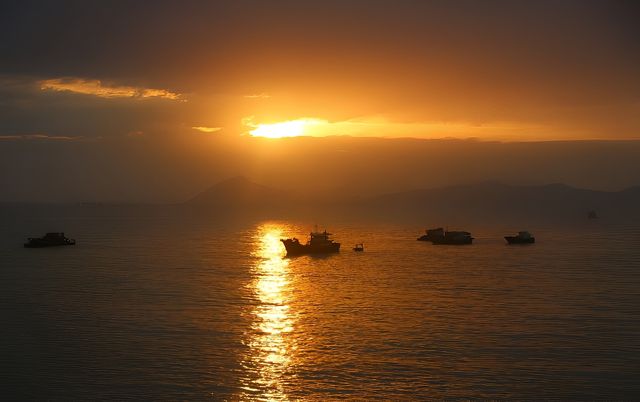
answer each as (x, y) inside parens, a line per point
(268, 357)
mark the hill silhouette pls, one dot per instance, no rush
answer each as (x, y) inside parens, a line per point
(480, 201)
(492, 200)
(239, 192)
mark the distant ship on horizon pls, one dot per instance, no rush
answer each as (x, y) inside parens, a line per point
(441, 236)
(318, 243)
(49, 240)
(523, 237)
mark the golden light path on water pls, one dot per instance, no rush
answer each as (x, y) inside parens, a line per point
(269, 345)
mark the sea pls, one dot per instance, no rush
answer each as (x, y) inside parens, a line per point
(162, 304)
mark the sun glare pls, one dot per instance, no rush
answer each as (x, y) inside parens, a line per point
(291, 128)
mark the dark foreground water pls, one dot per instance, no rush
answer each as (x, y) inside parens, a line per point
(156, 306)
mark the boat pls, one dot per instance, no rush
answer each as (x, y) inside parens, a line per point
(318, 243)
(454, 237)
(592, 215)
(49, 240)
(358, 247)
(441, 236)
(523, 237)
(431, 234)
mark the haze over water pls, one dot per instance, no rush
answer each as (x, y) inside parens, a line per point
(165, 306)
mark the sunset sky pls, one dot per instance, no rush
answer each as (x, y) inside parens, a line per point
(491, 69)
(198, 71)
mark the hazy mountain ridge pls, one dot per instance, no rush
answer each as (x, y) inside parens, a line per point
(508, 201)
(239, 192)
(160, 170)
(479, 200)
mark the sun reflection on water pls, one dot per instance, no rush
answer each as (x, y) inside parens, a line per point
(270, 347)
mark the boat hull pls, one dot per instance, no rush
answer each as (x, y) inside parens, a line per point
(294, 248)
(40, 244)
(441, 236)
(519, 240)
(453, 241)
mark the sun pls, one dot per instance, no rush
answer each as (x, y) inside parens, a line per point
(293, 128)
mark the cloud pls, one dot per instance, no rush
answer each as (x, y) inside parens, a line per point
(262, 95)
(39, 137)
(207, 129)
(97, 88)
(380, 126)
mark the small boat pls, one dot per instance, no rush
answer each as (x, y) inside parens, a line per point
(358, 247)
(441, 236)
(318, 243)
(49, 240)
(592, 215)
(523, 237)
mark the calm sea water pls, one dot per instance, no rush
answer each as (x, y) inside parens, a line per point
(159, 305)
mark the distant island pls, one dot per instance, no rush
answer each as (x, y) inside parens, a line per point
(238, 192)
(483, 201)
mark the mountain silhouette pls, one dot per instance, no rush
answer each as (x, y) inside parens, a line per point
(486, 201)
(497, 200)
(239, 192)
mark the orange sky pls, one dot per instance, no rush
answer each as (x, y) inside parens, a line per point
(501, 70)
(157, 100)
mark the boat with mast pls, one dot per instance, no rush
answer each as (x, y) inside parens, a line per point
(318, 243)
